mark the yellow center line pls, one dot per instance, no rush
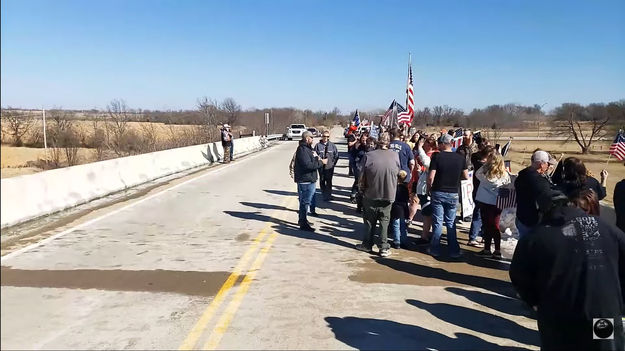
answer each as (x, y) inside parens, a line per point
(233, 306)
(200, 326)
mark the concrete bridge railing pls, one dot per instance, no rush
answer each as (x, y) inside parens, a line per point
(30, 196)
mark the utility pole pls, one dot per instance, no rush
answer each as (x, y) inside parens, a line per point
(45, 139)
(541, 111)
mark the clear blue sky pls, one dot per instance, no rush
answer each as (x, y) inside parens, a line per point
(310, 54)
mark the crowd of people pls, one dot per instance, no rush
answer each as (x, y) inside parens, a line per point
(569, 264)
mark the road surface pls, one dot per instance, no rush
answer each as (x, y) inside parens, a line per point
(216, 261)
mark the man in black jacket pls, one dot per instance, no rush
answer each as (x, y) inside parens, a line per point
(533, 192)
(306, 165)
(571, 270)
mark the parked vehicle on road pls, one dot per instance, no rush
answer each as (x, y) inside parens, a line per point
(295, 131)
(314, 131)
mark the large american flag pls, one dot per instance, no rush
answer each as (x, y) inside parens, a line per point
(617, 149)
(406, 116)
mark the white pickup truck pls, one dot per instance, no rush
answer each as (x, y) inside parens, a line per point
(295, 131)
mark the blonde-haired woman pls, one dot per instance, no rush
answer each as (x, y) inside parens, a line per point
(492, 176)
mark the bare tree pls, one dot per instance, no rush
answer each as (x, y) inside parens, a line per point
(97, 140)
(16, 124)
(437, 114)
(117, 127)
(149, 138)
(64, 138)
(231, 110)
(209, 111)
(584, 133)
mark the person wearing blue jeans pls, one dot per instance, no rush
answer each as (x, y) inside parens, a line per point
(444, 210)
(305, 175)
(232, 149)
(399, 211)
(306, 195)
(400, 232)
(447, 168)
(476, 226)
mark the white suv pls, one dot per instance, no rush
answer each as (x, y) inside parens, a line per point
(295, 131)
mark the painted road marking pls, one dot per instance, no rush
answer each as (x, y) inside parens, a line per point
(233, 306)
(228, 314)
(199, 328)
(89, 222)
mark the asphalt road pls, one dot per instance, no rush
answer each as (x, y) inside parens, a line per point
(217, 262)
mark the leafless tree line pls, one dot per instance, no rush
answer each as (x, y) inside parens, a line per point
(110, 135)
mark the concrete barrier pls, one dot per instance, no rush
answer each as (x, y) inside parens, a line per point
(30, 196)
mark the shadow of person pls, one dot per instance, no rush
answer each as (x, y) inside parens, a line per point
(266, 206)
(290, 229)
(281, 192)
(495, 285)
(480, 322)
(379, 334)
(499, 303)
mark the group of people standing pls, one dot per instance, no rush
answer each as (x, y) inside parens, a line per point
(569, 264)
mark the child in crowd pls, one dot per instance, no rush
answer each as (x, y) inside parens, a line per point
(399, 212)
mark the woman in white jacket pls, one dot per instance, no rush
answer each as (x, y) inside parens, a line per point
(492, 176)
(425, 148)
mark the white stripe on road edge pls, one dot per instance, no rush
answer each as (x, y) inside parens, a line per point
(91, 221)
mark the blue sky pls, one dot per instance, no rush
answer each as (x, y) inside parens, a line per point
(310, 54)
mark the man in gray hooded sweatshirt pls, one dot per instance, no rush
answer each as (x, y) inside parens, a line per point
(327, 150)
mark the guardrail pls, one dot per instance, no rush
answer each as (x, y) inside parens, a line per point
(274, 136)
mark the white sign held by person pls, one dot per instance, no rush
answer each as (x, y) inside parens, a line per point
(466, 194)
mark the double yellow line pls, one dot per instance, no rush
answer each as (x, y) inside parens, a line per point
(228, 314)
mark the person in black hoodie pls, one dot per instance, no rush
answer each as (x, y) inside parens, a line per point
(306, 165)
(571, 270)
(571, 175)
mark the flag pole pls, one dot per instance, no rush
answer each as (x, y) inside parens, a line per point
(608, 161)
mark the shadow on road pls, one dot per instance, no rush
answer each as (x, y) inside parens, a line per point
(281, 192)
(495, 285)
(499, 303)
(379, 334)
(480, 322)
(290, 229)
(266, 206)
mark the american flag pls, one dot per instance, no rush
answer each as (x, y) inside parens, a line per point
(456, 142)
(617, 149)
(386, 119)
(506, 148)
(507, 165)
(357, 118)
(406, 116)
(506, 198)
